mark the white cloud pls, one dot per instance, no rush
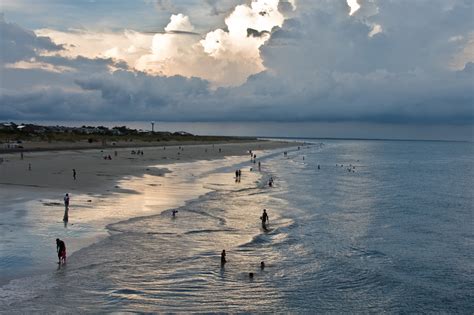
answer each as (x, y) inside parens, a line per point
(354, 5)
(226, 57)
(33, 64)
(376, 29)
(127, 45)
(179, 22)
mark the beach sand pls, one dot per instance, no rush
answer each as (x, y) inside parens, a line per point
(105, 191)
(53, 170)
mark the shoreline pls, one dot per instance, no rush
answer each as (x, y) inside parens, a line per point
(42, 146)
(154, 168)
(93, 171)
(253, 180)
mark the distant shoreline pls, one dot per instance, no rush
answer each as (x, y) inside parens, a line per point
(43, 146)
(361, 139)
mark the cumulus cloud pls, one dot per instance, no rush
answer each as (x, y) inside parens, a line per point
(224, 56)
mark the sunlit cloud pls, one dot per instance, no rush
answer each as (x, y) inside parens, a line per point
(376, 29)
(225, 57)
(127, 45)
(33, 64)
(354, 5)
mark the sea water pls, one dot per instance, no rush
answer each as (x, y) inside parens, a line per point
(355, 226)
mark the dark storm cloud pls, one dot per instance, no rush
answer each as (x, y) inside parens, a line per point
(16, 43)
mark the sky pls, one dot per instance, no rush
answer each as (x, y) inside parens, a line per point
(390, 67)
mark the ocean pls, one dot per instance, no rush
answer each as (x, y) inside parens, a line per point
(355, 226)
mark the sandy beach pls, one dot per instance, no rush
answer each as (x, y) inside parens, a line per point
(53, 170)
(104, 191)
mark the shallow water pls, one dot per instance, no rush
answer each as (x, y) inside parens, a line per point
(392, 234)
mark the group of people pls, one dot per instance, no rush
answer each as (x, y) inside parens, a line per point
(238, 175)
(350, 168)
(265, 220)
(60, 245)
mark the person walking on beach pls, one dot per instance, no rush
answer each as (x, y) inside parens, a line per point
(61, 249)
(66, 208)
(264, 219)
(74, 173)
(259, 166)
(223, 260)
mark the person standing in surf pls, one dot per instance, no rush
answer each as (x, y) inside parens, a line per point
(66, 208)
(223, 260)
(265, 219)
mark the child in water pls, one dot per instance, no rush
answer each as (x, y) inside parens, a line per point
(61, 249)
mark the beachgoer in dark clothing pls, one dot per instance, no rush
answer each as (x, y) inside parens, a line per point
(66, 200)
(262, 265)
(61, 249)
(74, 173)
(264, 217)
(223, 260)
(66, 208)
(270, 182)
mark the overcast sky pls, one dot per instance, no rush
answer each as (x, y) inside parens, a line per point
(355, 62)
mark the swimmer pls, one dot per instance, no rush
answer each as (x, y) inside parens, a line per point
(174, 213)
(262, 265)
(251, 275)
(61, 249)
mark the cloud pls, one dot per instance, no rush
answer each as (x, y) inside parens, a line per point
(317, 63)
(224, 56)
(17, 44)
